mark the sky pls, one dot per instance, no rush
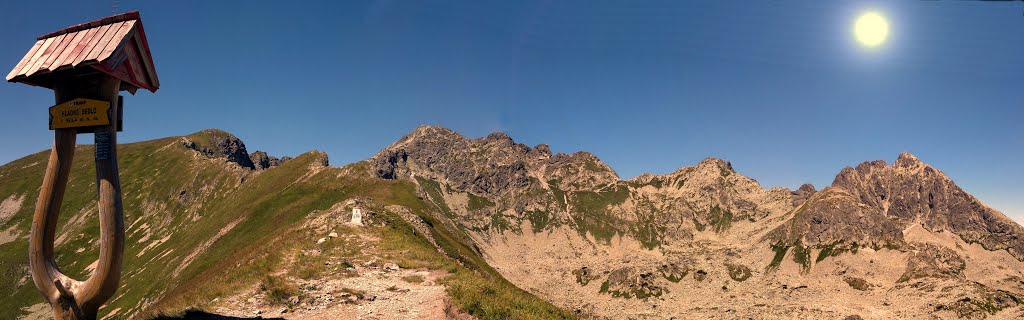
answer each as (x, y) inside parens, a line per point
(779, 88)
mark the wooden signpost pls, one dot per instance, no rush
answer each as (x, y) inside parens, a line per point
(80, 112)
(86, 65)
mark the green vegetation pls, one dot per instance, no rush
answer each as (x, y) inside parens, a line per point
(433, 190)
(477, 202)
(698, 225)
(780, 253)
(655, 182)
(278, 290)
(802, 256)
(558, 194)
(413, 279)
(720, 219)
(681, 183)
(674, 278)
(649, 227)
(802, 253)
(539, 220)
(592, 165)
(674, 272)
(500, 224)
(200, 229)
(592, 212)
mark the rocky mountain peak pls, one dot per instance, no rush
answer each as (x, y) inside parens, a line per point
(579, 171)
(881, 200)
(261, 160)
(807, 187)
(216, 143)
(541, 151)
(715, 164)
(499, 137)
(907, 160)
(488, 166)
(427, 136)
(800, 195)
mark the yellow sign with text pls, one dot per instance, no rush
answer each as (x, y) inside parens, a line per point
(80, 112)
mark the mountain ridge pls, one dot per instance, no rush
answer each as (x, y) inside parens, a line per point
(508, 230)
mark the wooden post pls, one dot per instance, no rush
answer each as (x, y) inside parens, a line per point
(92, 61)
(70, 298)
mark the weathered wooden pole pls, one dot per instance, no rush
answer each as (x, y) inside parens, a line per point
(86, 65)
(72, 299)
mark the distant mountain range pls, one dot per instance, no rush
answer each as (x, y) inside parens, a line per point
(497, 229)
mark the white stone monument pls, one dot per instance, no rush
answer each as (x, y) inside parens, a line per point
(357, 216)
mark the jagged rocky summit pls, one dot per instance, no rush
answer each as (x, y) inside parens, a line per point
(214, 143)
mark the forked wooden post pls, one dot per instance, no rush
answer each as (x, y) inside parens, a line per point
(70, 298)
(86, 65)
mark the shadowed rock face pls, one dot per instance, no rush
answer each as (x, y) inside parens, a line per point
(802, 194)
(216, 143)
(874, 202)
(261, 160)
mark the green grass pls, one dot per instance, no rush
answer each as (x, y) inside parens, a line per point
(592, 165)
(279, 290)
(413, 279)
(539, 220)
(780, 253)
(592, 212)
(433, 189)
(499, 224)
(477, 202)
(802, 256)
(720, 219)
(267, 211)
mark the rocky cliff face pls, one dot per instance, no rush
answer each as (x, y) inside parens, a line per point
(491, 166)
(261, 160)
(541, 212)
(576, 189)
(874, 202)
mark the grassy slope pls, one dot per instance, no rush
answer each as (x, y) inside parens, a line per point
(266, 209)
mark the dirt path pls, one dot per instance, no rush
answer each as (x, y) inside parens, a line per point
(376, 293)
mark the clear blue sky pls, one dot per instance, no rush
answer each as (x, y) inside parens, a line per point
(779, 88)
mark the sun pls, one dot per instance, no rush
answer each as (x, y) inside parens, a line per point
(871, 29)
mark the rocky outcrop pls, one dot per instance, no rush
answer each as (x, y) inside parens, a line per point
(577, 189)
(717, 195)
(578, 171)
(933, 261)
(911, 191)
(802, 194)
(262, 161)
(628, 282)
(835, 216)
(491, 166)
(214, 143)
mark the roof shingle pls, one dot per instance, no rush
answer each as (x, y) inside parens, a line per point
(114, 45)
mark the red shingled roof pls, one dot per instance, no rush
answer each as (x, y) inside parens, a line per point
(114, 45)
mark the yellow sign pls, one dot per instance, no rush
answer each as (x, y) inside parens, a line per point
(80, 112)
